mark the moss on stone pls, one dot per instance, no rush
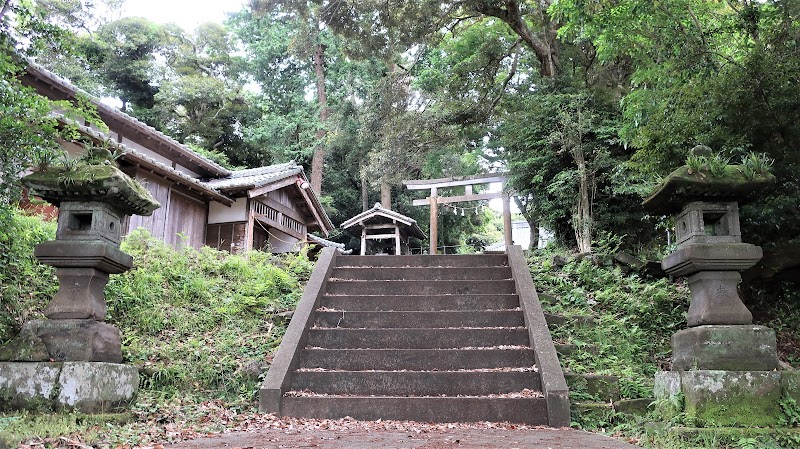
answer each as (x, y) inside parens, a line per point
(102, 182)
(684, 186)
(732, 398)
(790, 384)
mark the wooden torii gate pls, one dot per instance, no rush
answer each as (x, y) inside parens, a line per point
(468, 182)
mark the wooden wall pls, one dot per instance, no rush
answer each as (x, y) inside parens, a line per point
(226, 236)
(179, 213)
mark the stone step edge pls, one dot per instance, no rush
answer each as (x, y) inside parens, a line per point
(460, 348)
(516, 328)
(524, 394)
(328, 309)
(505, 369)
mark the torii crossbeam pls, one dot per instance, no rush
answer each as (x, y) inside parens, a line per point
(468, 182)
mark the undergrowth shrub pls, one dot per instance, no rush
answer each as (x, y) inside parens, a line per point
(634, 318)
(202, 320)
(25, 285)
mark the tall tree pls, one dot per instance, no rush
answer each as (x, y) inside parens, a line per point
(717, 73)
(309, 43)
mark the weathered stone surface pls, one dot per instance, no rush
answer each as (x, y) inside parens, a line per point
(68, 340)
(629, 260)
(732, 348)
(90, 183)
(97, 387)
(684, 186)
(25, 347)
(790, 383)
(80, 295)
(715, 299)
(638, 407)
(703, 222)
(97, 254)
(89, 220)
(732, 398)
(698, 257)
(27, 385)
(668, 394)
(599, 387)
(87, 387)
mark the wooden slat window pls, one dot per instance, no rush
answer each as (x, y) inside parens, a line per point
(292, 224)
(265, 211)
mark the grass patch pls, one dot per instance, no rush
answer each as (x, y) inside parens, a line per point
(201, 326)
(634, 319)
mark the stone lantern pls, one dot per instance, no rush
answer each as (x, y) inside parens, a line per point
(724, 367)
(93, 201)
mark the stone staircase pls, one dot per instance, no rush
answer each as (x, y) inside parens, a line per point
(422, 338)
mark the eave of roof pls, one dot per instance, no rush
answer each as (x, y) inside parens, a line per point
(255, 177)
(321, 241)
(377, 211)
(137, 158)
(107, 112)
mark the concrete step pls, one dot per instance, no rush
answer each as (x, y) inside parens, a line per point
(415, 359)
(420, 287)
(421, 302)
(416, 338)
(392, 320)
(597, 386)
(574, 320)
(569, 348)
(467, 260)
(547, 298)
(415, 383)
(422, 273)
(532, 411)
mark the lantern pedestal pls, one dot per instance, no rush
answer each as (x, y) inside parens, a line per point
(73, 359)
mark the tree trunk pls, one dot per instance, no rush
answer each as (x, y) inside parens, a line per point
(386, 195)
(523, 205)
(534, 230)
(318, 160)
(545, 47)
(364, 188)
(582, 220)
(6, 9)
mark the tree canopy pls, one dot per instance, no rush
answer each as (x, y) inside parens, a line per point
(587, 104)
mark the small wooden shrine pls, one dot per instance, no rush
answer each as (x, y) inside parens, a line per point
(383, 230)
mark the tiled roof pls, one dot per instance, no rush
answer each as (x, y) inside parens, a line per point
(37, 70)
(256, 177)
(378, 210)
(327, 243)
(134, 155)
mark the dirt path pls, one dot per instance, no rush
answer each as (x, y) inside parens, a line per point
(348, 434)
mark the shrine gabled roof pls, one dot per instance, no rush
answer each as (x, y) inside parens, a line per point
(378, 211)
(173, 148)
(256, 177)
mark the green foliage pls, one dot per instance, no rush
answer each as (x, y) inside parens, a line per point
(791, 412)
(634, 318)
(202, 319)
(699, 72)
(25, 285)
(538, 136)
(755, 164)
(696, 163)
(28, 132)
